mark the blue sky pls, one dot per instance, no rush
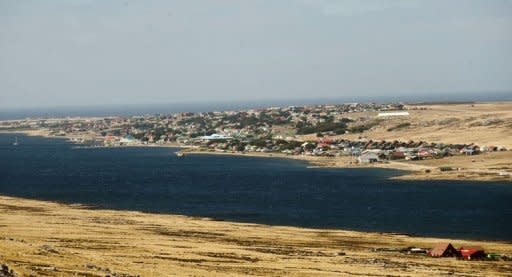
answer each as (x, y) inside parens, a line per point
(89, 52)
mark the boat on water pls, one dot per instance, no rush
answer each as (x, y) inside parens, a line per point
(180, 154)
(15, 143)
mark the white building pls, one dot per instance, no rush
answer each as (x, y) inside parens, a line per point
(390, 114)
(368, 157)
(128, 140)
(216, 137)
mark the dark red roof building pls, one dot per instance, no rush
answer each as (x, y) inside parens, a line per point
(397, 155)
(472, 252)
(444, 250)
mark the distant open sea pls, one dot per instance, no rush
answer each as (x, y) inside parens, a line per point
(246, 189)
(208, 106)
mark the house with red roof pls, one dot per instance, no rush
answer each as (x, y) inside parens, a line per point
(472, 252)
(443, 250)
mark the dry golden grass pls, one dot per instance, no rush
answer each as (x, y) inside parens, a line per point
(483, 167)
(484, 124)
(47, 239)
(480, 123)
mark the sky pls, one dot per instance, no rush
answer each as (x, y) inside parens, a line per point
(96, 52)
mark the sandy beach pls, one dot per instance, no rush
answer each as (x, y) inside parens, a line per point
(41, 238)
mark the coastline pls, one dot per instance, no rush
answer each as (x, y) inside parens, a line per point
(466, 166)
(411, 170)
(42, 238)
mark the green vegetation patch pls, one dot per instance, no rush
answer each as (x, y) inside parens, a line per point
(336, 127)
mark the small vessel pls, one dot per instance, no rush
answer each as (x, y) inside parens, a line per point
(180, 154)
(15, 143)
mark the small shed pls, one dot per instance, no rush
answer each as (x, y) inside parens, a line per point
(368, 157)
(444, 250)
(472, 252)
(392, 114)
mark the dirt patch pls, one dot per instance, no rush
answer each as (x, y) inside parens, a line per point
(8, 207)
(231, 256)
(185, 233)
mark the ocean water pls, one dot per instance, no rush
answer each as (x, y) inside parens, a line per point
(246, 189)
(204, 106)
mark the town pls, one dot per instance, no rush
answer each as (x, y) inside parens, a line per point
(315, 130)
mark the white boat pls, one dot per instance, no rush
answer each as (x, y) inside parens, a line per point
(15, 143)
(180, 154)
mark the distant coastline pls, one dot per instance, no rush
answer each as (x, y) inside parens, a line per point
(206, 106)
(254, 188)
(445, 131)
(411, 170)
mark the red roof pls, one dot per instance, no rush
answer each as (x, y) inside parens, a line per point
(109, 137)
(468, 252)
(443, 250)
(325, 141)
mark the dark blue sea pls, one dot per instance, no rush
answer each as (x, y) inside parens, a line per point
(260, 190)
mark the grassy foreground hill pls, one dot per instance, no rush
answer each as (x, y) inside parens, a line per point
(40, 238)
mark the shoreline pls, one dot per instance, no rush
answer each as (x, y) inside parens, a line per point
(42, 238)
(100, 209)
(413, 170)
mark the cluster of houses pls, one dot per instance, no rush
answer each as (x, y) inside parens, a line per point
(376, 151)
(271, 129)
(464, 252)
(364, 151)
(163, 128)
(445, 250)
